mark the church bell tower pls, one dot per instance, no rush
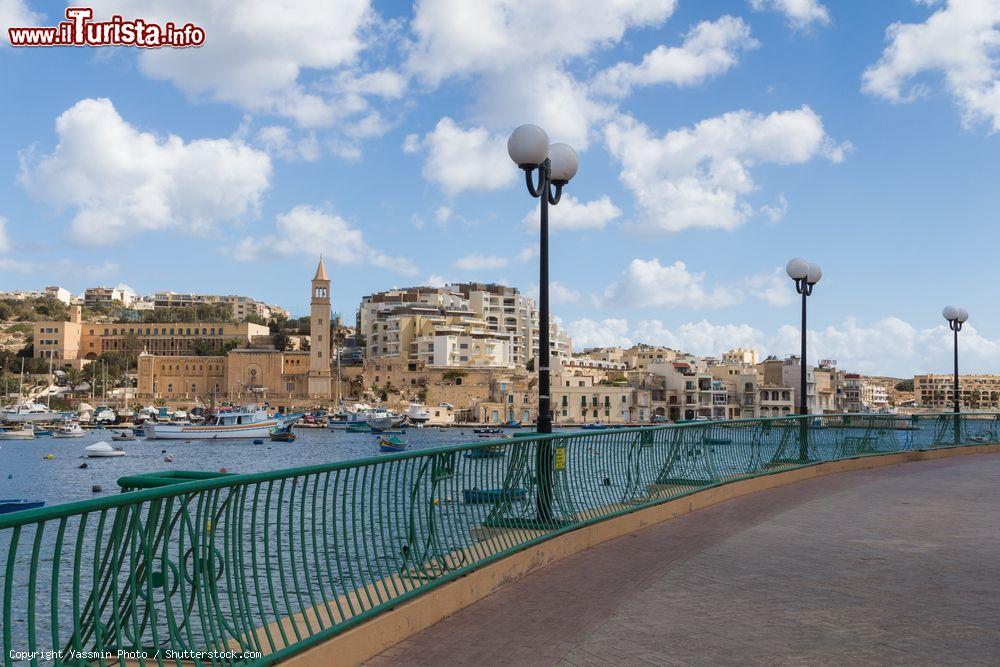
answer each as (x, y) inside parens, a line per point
(320, 377)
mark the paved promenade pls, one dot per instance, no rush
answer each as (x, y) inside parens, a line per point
(898, 565)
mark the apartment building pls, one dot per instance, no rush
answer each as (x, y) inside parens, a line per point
(976, 392)
(242, 306)
(787, 373)
(641, 357)
(50, 292)
(78, 340)
(852, 393)
(874, 397)
(96, 297)
(578, 399)
(423, 325)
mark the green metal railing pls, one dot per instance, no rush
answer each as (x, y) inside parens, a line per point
(252, 568)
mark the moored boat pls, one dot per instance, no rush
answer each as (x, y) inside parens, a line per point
(122, 436)
(392, 444)
(22, 433)
(28, 412)
(596, 426)
(69, 431)
(417, 413)
(485, 453)
(102, 449)
(246, 422)
(8, 505)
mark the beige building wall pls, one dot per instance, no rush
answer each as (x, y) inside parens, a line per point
(181, 377)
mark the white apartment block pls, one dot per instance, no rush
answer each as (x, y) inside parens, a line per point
(495, 312)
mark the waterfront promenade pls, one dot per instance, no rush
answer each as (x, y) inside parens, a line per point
(894, 565)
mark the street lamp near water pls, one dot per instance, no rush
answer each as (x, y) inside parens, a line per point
(556, 164)
(805, 275)
(956, 318)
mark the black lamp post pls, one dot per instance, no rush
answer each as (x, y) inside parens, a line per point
(806, 276)
(956, 318)
(529, 148)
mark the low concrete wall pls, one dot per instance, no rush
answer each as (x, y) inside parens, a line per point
(371, 638)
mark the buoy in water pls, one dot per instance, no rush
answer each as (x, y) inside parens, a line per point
(169, 458)
(49, 457)
(96, 488)
(223, 470)
(82, 466)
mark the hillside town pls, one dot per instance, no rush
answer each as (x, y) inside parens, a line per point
(465, 350)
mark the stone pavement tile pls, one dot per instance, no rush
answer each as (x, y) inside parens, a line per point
(871, 567)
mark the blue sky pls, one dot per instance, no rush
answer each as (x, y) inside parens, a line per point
(716, 141)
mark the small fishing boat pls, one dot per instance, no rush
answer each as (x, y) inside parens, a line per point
(285, 434)
(485, 453)
(22, 433)
(392, 444)
(596, 426)
(359, 428)
(69, 431)
(510, 423)
(102, 449)
(493, 430)
(41, 431)
(122, 436)
(387, 430)
(476, 495)
(8, 505)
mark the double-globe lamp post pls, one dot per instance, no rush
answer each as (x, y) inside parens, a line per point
(529, 148)
(805, 275)
(956, 318)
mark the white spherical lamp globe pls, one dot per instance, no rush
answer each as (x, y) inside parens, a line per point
(950, 313)
(797, 268)
(815, 273)
(528, 146)
(963, 314)
(564, 163)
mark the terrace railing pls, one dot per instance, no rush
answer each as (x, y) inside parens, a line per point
(252, 568)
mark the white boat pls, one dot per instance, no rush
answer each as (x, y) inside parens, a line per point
(105, 416)
(417, 413)
(122, 436)
(29, 412)
(69, 431)
(102, 450)
(23, 433)
(246, 422)
(383, 419)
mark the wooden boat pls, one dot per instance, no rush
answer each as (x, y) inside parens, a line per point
(386, 430)
(392, 444)
(282, 434)
(475, 496)
(596, 426)
(41, 431)
(8, 505)
(510, 423)
(359, 428)
(492, 430)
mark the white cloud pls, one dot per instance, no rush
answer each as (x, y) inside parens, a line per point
(121, 181)
(442, 215)
(800, 13)
(700, 176)
(435, 280)
(278, 140)
(958, 41)
(307, 230)
(773, 288)
(528, 253)
(466, 159)
(777, 211)
(477, 261)
(649, 284)
(16, 14)
(517, 53)
(256, 51)
(711, 48)
(5, 245)
(889, 346)
(570, 214)
(457, 37)
(586, 333)
(562, 295)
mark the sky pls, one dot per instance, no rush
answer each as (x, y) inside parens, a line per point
(716, 141)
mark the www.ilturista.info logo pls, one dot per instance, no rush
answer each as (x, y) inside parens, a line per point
(79, 30)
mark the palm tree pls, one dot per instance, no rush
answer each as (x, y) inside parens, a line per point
(74, 378)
